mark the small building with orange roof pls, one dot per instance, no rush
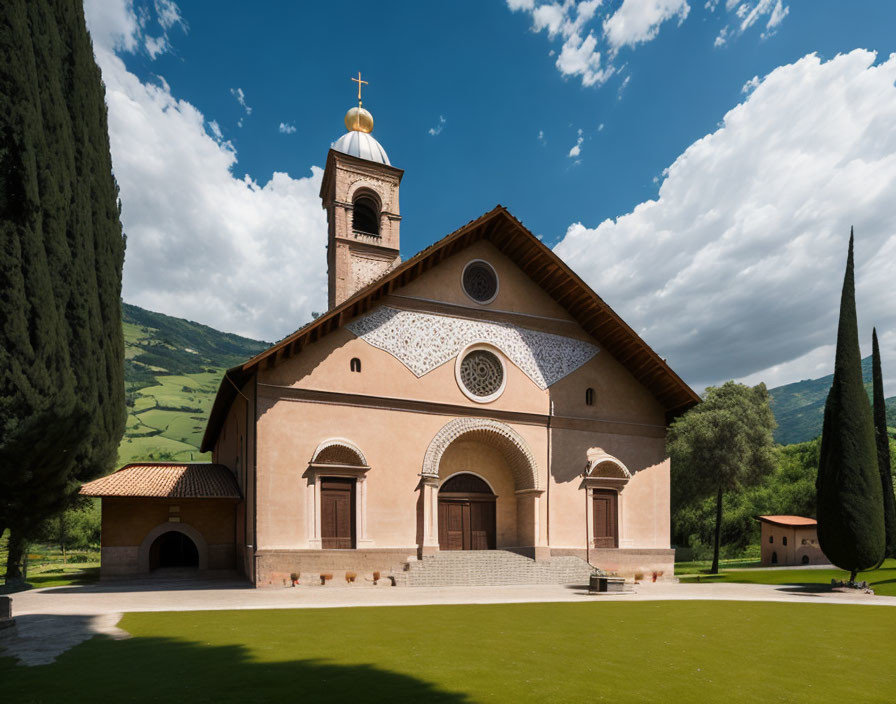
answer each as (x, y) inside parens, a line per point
(790, 540)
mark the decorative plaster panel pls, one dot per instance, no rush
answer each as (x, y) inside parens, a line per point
(422, 342)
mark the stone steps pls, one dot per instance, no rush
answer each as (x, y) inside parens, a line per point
(490, 568)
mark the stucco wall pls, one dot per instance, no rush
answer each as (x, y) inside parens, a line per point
(625, 420)
(801, 540)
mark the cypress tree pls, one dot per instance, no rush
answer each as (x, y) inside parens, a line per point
(62, 408)
(850, 503)
(883, 446)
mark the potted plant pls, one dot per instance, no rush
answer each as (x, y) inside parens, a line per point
(350, 577)
(376, 577)
(324, 578)
(294, 578)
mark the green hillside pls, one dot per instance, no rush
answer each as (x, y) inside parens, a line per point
(172, 371)
(799, 407)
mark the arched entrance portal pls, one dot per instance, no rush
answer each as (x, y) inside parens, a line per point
(502, 514)
(467, 518)
(173, 549)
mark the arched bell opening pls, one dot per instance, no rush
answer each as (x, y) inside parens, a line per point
(366, 215)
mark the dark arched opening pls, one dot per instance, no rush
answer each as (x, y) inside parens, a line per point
(173, 549)
(774, 558)
(589, 397)
(355, 364)
(805, 560)
(365, 216)
(467, 518)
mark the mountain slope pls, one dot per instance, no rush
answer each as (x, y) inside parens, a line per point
(172, 371)
(799, 407)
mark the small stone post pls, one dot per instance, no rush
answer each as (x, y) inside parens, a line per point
(6, 619)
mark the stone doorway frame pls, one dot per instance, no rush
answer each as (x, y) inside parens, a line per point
(522, 464)
(340, 459)
(185, 528)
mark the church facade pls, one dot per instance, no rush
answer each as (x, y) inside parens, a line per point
(478, 396)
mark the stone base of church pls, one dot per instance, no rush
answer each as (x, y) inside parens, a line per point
(628, 562)
(274, 568)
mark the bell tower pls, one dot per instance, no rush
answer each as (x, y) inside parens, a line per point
(360, 194)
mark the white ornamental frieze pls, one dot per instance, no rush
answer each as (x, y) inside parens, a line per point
(422, 342)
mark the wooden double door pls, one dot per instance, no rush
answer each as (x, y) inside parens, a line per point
(337, 513)
(606, 518)
(466, 524)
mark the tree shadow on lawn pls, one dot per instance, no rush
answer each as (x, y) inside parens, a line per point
(165, 669)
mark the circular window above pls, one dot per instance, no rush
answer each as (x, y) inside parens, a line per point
(480, 281)
(480, 374)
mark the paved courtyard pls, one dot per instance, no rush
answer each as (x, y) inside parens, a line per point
(50, 621)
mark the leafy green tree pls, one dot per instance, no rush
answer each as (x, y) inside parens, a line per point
(722, 445)
(850, 501)
(62, 408)
(882, 440)
(76, 527)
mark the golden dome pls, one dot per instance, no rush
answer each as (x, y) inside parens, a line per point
(359, 120)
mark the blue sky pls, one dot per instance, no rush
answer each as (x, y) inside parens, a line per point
(507, 102)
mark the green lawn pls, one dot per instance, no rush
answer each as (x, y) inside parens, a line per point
(599, 651)
(45, 567)
(882, 580)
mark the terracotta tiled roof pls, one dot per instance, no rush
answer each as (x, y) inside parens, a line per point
(170, 481)
(789, 520)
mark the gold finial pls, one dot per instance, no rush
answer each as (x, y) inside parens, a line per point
(359, 82)
(358, 119)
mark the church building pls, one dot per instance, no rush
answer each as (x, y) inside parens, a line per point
(475, 414)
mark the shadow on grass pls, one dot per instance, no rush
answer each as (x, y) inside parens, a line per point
(50, 578)
(165, 669)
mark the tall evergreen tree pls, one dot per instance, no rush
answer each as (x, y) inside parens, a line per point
(883, 446)
(850, 501)
(62, 407)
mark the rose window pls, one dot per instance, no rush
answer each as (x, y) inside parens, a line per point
(481, 373)
(480, 282)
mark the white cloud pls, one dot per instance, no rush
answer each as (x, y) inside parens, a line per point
(437, 129)
(600, 127)
(576, 150)
(623, 86)
(287, 128)
(638, 21)
(541, 136)
(203, 243)
(749, 14)
(722, 38)
(241, 99)
(735, 269)
(216, 129)
(579, 55)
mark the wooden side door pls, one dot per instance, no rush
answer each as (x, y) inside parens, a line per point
(454, 522)
(606, 529)
(482, 525)
(337, 513)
